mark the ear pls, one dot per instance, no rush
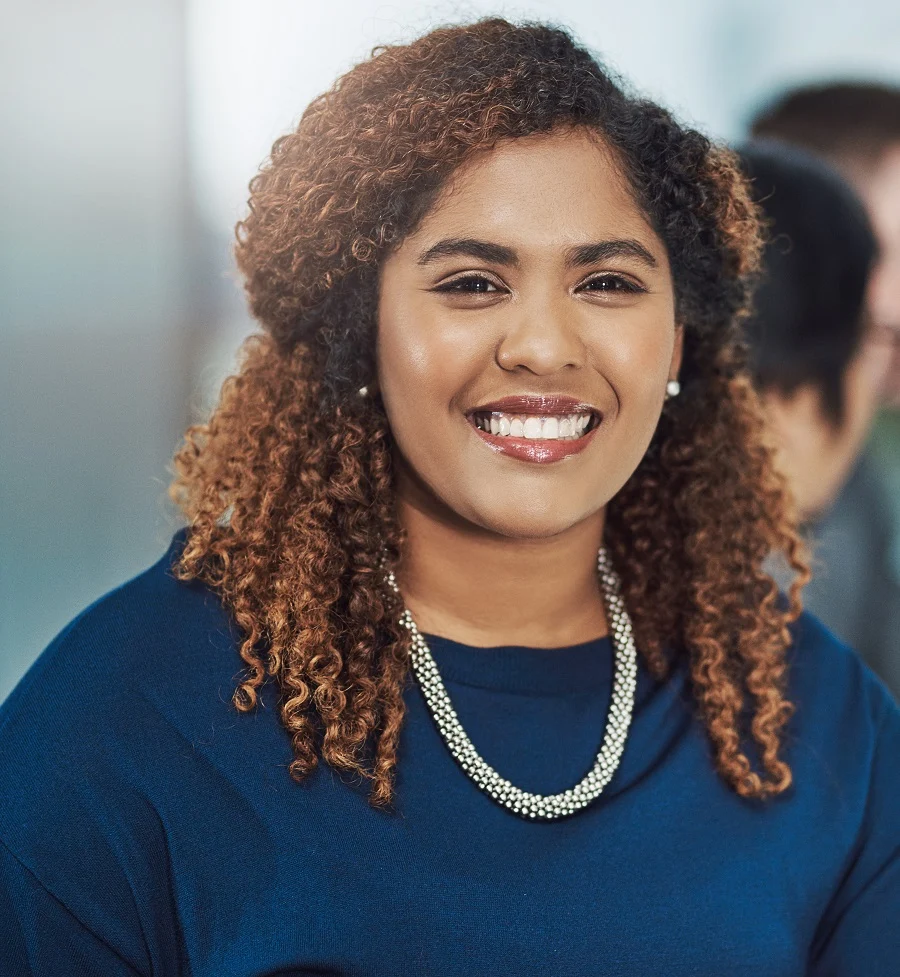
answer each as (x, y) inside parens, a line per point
(677, 352)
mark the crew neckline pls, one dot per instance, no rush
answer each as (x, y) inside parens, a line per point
(582, 668)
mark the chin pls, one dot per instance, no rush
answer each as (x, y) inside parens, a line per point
(528, 525)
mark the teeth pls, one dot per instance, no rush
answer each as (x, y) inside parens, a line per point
(533, 427)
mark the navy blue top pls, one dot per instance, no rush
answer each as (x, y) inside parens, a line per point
(147, 827)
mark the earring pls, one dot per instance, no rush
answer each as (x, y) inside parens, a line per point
(363, 391)
(673, 388)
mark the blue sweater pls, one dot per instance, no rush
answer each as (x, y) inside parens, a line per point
(147, 827)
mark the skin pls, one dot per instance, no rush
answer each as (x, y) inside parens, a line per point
(502, 551)
(881, 193)
(815, 456)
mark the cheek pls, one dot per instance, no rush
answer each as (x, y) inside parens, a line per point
(424, 362)
(427, 366)
(884, 285)
(864, 380)
(636, 362)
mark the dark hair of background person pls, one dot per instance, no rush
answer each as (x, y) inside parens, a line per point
(288, 488)
(809, 313)
(848, 122)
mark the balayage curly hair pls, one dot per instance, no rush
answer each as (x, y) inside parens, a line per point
(288, 488)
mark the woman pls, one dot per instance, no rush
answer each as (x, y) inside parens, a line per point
(497, 435)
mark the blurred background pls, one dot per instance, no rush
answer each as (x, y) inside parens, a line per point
(131, 131)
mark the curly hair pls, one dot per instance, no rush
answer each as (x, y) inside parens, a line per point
(288, 487)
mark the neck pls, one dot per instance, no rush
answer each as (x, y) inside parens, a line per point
(465, 583)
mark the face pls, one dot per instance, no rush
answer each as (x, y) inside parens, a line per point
(816, 456)
(882, 196)
(526, 332)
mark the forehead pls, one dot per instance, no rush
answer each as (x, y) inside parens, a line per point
(556, 189)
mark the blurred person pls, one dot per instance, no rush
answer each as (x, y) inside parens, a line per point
(488, 498)
(820, 372)
(855, 127)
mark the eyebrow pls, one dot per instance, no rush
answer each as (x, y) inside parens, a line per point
(500, 254)
(470, 248)
(587, 254)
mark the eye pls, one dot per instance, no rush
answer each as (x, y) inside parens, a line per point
(612, 285)
(469, 285)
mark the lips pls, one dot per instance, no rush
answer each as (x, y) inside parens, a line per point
(539, 404)
(535, 449)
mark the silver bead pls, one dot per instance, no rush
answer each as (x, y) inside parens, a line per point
(543, 807)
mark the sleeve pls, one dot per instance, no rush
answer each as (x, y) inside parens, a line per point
(40, 937)
(860, 931)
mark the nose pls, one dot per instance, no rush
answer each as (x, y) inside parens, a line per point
(543, 340)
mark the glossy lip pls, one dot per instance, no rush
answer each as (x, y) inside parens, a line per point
(536, 450)
(538, 404)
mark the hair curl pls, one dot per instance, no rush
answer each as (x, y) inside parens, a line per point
(288, 488)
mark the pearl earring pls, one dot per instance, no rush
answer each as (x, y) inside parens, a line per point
(673, 388)
(363, 391)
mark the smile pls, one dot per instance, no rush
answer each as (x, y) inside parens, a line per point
(531, 426)
(540, 439)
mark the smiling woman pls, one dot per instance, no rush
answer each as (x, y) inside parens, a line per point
(562, 298)
(488, 503)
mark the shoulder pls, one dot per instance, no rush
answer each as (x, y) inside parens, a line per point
(101, 727)
(844, 736)
(842, 744)
(154, 643)
(150, 629)
(830, 682)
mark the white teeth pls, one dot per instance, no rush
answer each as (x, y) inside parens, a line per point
(533, 427)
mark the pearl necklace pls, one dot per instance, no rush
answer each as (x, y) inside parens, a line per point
(539, 807)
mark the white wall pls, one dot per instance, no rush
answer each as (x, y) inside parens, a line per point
(254, 66)
(93, 245)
